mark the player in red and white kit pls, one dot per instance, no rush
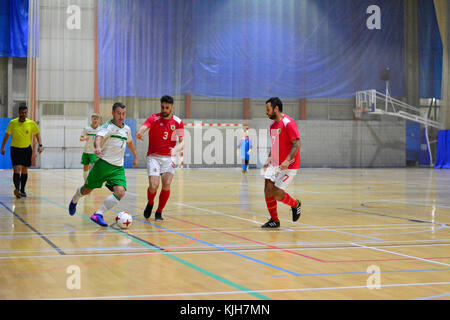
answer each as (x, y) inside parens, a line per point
(283, 162)
(164, 128)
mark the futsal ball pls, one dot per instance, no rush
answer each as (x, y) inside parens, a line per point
(124, 220)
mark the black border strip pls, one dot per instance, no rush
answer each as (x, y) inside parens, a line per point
(113, 226)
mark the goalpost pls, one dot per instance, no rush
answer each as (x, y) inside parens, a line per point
(210, 145)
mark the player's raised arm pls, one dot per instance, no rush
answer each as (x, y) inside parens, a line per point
(145, 126)
(141, 131)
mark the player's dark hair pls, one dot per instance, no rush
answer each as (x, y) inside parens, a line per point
(22, 107)
(118, 105)
(276, 102)
(167, 99)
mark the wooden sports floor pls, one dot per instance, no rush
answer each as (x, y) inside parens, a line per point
(363, 234)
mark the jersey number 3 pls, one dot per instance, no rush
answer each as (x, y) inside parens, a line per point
(166, 134)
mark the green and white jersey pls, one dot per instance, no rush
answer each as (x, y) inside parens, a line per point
(114, 143)
(90, 133)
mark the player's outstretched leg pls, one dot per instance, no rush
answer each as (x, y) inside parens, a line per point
(110, 202)
(77, 196)
(273, 222)
(271, 202)
(150, 202)
(85, 173)
(166, 180)
(163, 197)
(296, 206)
(296, 211)
(98, 219)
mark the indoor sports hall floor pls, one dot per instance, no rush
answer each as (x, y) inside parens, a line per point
(363, 234)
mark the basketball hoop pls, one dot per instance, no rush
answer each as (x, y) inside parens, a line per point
(357, 112)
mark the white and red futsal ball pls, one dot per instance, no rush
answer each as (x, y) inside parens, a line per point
(124, 220)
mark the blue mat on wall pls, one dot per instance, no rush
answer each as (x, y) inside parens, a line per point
(443, 150)
(128, 157)
(412, 141)
(5, 161)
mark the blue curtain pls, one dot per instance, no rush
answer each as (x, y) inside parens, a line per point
(430, 51)
(13, 28)
(443, 150)
(248, 48)
(412, 141)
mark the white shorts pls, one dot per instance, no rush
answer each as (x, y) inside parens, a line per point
(281, 178)
(157, 165)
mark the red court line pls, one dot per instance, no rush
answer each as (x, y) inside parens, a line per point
(374, 260)
(299, 254)
(250, 240)
(115, 260)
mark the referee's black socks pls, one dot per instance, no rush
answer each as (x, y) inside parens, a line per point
(16, 180)
(23, 182)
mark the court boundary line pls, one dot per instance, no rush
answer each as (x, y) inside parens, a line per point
(250, 240)
(192, 249)
(259, 291)
(223, 249)
(432, 297)
(186, 263)
(402, 255)
(259, 214)
(48, 241)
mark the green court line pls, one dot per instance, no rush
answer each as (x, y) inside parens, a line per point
(186, 263)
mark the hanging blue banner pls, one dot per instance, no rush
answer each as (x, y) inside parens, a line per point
(13, 28)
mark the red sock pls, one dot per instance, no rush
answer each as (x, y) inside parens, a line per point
(272, 207)
(287, 199)
(150, 196)
(163, 197)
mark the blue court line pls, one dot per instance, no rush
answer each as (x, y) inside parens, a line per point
(432, 297)
(323, 228)
(50, 243)
(222, 248)
(184, 262)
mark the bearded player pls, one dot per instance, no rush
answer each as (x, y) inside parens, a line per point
(282, 164)
(163, 130)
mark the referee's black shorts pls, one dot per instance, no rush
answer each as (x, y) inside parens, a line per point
(21, 156)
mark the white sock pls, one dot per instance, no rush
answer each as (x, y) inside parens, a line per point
(85, 174)
(77, 195)
(108, 204)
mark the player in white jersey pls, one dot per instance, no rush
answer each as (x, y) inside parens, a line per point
(110, 145)
(88, 134)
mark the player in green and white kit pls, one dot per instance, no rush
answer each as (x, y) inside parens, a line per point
(88, 158)
(110, 145)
